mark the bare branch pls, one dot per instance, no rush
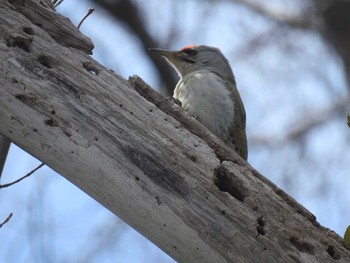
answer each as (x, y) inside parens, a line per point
(23, 177)
(57, 2)
(89, 12)
(306, 124)
(6, 220)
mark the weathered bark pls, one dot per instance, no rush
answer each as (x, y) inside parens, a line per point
(185, 191)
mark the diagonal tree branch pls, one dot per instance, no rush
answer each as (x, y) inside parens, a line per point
(124, 150)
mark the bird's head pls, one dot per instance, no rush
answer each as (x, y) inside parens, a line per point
(194, 58)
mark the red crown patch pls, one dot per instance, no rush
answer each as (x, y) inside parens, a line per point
(187, 47)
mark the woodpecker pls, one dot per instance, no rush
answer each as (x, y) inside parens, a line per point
(207, 90)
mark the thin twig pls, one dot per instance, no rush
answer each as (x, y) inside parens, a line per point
(57, 3)
(89, 12)
(20, 179)
(6, 220)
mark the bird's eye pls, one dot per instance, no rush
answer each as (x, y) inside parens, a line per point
(190, 51)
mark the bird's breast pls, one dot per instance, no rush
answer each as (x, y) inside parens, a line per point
(206, 96)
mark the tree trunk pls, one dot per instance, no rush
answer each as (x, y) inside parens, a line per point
(142, 157)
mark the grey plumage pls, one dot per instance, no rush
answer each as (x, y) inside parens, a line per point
(207, 90)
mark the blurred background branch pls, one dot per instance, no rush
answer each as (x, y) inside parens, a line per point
(127, 13)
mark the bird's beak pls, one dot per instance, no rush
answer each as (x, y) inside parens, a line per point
(163, 52)
(169, 55)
